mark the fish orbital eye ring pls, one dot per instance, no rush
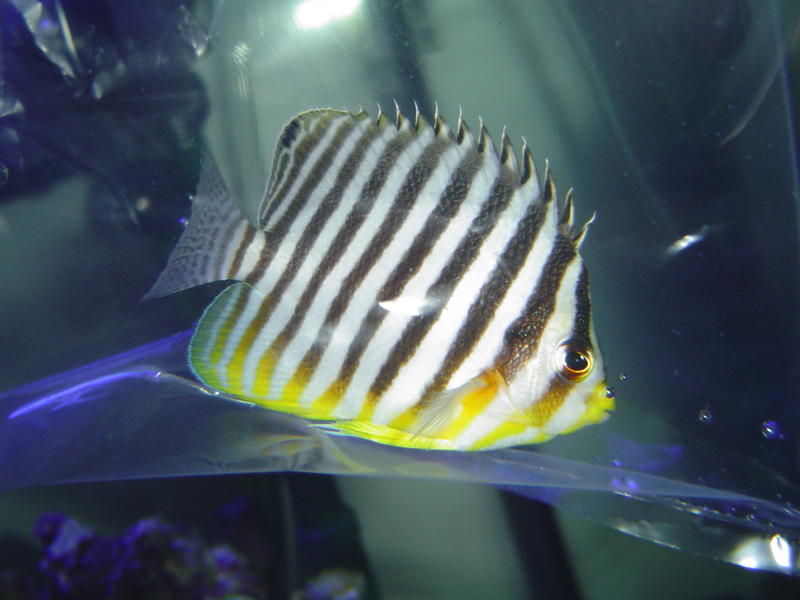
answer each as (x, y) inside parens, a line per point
(574, 361)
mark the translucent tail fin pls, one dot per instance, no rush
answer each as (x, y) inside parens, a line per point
(207, 248)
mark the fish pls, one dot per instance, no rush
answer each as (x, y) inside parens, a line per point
(405, 283)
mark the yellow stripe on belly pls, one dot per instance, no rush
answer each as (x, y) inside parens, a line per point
(474, 403)
(459, 408)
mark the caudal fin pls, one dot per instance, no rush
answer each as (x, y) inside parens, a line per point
(207, 248)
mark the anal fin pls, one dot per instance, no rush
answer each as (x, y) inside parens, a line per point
(384, 434)
(451, 411)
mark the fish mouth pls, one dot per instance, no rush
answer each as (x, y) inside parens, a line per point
(598, 406)
(602, 402)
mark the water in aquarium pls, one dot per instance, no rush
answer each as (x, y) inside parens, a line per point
(444, 294)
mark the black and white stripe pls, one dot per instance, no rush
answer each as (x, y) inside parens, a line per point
(393, 262)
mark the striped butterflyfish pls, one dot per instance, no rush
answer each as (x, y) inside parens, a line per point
(406, 283)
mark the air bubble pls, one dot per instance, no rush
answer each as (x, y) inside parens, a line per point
(770, 430)
(705, 416)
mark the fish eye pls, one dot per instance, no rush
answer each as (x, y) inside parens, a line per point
(574, 361)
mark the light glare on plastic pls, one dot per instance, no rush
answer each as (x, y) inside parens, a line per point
(313, 14)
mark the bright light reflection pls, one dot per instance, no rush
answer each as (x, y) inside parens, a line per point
(749, 553)
(748, 562)
(313, 14)
(781, 551)
(406, 305)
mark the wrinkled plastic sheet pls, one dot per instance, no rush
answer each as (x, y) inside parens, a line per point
(141, 415)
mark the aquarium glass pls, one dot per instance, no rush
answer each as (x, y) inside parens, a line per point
(672, 122)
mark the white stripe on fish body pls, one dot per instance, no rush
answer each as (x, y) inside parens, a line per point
(532, 382)
(314, 317)
(251, 253)
(558, 329)
(339, 121)
(415, 375)
(205, 350)
(404, 280)
(285, 249)
(234, 337)
(366, 296)
(319, 246)
(493, 337)
(391, 328)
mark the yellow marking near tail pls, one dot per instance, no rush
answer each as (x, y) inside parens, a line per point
(210, 316)
(264, 369)
(236, 366)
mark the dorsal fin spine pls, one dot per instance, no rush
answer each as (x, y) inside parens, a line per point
(463, 130)
(566, 213)
(399, 119)
(529, 174)
(485, 141)
(507, 155)
(581, 235)
(549, 187)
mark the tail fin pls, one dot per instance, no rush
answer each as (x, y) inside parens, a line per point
(206, 250)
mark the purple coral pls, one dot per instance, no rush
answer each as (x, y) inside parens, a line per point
(152, 560)
(333, 584)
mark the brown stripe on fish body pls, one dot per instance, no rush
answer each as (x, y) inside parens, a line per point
(301, 148)
(274, 237)
(558, 388)
(279, 187)
(216, 345)
(311, 181)
(404, 200)
(447, 207)
(276, 233)
(302, 152)
(290, 133)
(462, 257)
(540, 413)
(523, 335)
(340, 243)
(238, 257)
(323, 212)
(492, 293)
(582, 328)
(278, 170)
